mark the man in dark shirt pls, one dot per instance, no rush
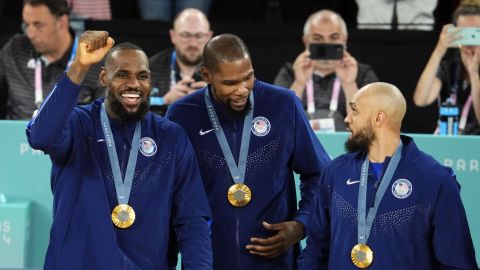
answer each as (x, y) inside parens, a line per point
(318, 82)
(31, 63)
(175, 71)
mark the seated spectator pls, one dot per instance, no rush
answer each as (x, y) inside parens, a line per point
(31, 63)
(91, 9)
(454, 79)
(175, 71)
(165, 10)
(325, 86)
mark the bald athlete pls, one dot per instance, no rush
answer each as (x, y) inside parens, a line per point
(386, 204)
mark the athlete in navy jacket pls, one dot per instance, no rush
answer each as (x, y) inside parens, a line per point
(90, 229)
(256, 225)
(420, 221)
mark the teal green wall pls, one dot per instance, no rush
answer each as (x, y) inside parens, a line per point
(25, 176)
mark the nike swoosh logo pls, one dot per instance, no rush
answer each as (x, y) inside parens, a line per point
(350, 182)
(201, 132)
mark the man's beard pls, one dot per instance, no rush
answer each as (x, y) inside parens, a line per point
(118, 109)
(361, 141)
(184, 59)
(234, 113)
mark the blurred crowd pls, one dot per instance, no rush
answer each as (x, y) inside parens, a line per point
(31, 62)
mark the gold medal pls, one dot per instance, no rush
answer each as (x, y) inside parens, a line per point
(239, 195)
(362, 255)
(123, 216)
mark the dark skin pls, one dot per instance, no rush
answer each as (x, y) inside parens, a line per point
(232, 83)
(126, 76)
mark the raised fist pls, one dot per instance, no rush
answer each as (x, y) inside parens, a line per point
(92, 47)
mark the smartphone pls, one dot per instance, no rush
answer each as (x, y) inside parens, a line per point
(325, 51)
(469, 36)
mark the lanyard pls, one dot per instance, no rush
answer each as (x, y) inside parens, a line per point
(365, 222)
(124, 187)
(466, 109)
(38, 73)
(238, 173)
(173, 61)
(333, 100)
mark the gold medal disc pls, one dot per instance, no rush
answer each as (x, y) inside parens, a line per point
(239, 195)
(123, 216)
(362, 256)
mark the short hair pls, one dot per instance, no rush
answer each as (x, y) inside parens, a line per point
(321, 13)
(120, 47)
(467, 9)
(56, 7)
(223, 48)
(190, 10)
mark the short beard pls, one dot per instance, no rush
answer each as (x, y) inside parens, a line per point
(234, 113)
(118, 109)
(360, 141)
(183, 58)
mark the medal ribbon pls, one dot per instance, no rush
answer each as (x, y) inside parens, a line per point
(173, 61)
(38, 73)
(122, 188)
(365, 222)
(333, 100)
(238, 173)
(465, 111)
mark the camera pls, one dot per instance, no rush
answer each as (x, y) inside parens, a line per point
(324, 51)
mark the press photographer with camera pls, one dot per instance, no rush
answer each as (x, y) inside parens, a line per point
(325, 76)
(453, 80)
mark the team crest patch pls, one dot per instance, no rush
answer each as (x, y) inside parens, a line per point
(148, 147)
(402, 188)
(260, 126)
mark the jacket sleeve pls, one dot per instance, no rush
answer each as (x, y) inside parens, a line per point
(452, 242)
(191, 213)
(366, 75)
(285, 76)
(309, 159)
(50, 129)
(316, 252)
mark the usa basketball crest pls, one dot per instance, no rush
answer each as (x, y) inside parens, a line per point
(260, 126)
(148, 147)
(402, 188)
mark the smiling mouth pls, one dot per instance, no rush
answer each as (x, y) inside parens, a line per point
(131, 98)
(239, 104)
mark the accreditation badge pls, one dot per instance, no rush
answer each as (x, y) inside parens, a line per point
(239, 195)
(362, 256)
(123, 216)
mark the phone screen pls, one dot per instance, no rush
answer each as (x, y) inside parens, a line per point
(326, 51)
(469, 36)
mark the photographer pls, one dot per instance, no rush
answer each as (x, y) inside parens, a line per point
(454, 81)
(325, 85)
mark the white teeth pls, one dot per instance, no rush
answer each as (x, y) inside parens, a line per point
(130, 95)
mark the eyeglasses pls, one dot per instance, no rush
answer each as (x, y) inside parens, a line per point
(186, 36)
